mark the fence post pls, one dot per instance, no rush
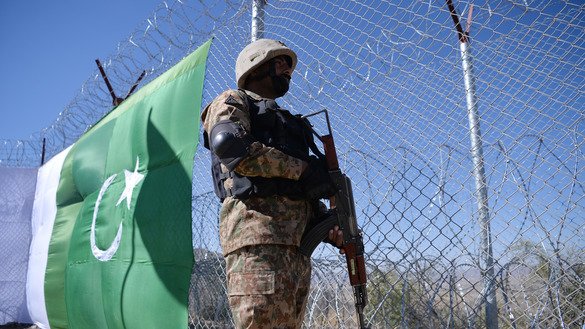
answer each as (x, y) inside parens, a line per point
(43, 150)
(486, 256)
(258, 19)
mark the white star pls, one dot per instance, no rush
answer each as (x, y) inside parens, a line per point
(132, 179)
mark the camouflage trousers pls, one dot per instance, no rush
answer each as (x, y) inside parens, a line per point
(268, 286)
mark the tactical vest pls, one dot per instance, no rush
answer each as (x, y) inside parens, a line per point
(276, 128)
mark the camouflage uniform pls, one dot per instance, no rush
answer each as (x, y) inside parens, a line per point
(268, 279)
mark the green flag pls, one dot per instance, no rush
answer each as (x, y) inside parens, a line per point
(120, 254)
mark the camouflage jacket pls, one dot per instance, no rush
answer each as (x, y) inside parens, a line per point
(254, 221)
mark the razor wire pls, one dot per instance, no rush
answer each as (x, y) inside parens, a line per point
(390, 74)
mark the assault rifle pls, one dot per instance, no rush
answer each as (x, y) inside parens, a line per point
(341, 213)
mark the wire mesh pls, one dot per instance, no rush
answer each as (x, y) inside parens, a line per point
(390, 74)
(17, 193)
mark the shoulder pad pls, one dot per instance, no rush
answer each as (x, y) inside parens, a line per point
(230, 142)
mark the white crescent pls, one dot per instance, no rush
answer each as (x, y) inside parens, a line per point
(131, 179)
(104, 255)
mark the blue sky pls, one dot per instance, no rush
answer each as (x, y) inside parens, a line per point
(48, 51)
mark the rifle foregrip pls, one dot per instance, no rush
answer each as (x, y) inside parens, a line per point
(316, 235)
(355, 264)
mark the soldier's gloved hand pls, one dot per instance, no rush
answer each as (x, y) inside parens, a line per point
(316, 182)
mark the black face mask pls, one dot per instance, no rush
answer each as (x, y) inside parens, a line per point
(280, 84)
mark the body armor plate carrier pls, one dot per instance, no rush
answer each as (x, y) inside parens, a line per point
(276, 128)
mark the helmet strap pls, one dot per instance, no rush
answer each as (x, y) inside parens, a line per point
(280, 84)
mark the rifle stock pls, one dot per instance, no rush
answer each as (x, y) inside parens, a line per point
(342, 214)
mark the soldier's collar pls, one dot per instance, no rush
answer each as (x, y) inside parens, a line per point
(254, 95)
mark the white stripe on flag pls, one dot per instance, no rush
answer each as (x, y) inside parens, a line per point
(43, 217)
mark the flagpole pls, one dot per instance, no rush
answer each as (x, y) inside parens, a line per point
(258, 19)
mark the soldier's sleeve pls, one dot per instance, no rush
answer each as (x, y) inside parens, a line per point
(262, 160)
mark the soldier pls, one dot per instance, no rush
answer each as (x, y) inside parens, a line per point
(269, 186)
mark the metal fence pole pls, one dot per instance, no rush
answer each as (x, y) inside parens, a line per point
(258, 19)
(43, 151)
(486, 254)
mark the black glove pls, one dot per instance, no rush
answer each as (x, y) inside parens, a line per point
(316, 182)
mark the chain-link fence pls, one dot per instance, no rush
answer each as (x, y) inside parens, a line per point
(463, 227)
(17, 190)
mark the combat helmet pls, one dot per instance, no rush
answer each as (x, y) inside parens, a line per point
(258, 53)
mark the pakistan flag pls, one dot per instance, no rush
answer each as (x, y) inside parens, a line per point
(120, 253)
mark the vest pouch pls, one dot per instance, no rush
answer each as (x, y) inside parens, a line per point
(242, 188)
(265, 116)
(290, 188)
